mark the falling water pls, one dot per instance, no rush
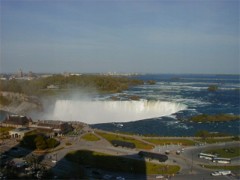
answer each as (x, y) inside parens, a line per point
(93, 112)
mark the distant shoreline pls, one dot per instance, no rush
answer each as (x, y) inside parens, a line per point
(205, 118)
(130, 73)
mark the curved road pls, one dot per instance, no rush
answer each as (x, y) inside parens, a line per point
(188, 160)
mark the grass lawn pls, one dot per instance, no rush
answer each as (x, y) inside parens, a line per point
(90, 137)
(152, 168)
(213, 140)
(5, 129)
(226, 152)
(4, 132)
(184, 142)
(214, 118)
(119, 164)
(231, 168)
(139, 144)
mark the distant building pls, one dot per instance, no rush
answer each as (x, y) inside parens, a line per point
(2, 77)
(19, 132)
(30, 74)
(16, 121)
(21, 76)
(53, 86)
(46, 75)
(66, 74)
(22, 122)
(20, 73)
(57, 127)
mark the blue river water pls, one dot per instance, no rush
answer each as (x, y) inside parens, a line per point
(192, 91)
(187, 96)
(4, 114)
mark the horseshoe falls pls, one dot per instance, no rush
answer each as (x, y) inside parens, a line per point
(165, 108)
(93, 112)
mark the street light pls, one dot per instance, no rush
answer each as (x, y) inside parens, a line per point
(192, 161)
(56, 156)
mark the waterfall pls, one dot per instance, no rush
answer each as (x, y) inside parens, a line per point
(93, 112)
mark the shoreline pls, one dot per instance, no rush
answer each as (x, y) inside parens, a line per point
(128, 127)
(198, 139)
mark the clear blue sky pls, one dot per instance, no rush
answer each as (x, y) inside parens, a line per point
(196, 36)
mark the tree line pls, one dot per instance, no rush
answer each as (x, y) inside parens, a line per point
(39, 141)
(99, 82)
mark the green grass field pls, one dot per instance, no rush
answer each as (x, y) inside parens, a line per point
(90, 137)
(121, 164)
(216, 140)
(231, 168)
(4, 132)
(226, 152)
(184, 142)
(5, 129)
(139, 144)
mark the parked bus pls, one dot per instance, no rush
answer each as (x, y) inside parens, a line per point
(222, 160)
(206, 156)
(222, 172)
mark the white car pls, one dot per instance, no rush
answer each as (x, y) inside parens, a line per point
(178, 152)
(216, 173)
(120, 178)
(159, 177)
(225, 172)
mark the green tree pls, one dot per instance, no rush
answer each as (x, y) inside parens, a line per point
(4, 101)
(203, 134)
(14, 86)
(236, 138)
(28, 141)
(52, 143)
(40, 141)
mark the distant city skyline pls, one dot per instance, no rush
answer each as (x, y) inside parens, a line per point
(177, 36)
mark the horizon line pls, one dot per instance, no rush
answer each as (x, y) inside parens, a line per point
(119, 73)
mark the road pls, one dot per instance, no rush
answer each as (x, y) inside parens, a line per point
(187, 160)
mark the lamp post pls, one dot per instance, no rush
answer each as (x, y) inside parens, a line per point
(56, 156)
(192, 162)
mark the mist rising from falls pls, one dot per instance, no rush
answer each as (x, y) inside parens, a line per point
(94, 112)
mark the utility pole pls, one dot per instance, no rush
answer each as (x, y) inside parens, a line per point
(56, 156)
(192, 161)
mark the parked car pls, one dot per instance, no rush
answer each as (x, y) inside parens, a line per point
(225, 172)
(216, 173)
(120, 178)
(167, 152)
(159, 177)
(178, 152)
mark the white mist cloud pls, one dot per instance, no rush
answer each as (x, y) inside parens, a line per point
(93, 112)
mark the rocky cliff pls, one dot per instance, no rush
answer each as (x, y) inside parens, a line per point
(19, 103)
